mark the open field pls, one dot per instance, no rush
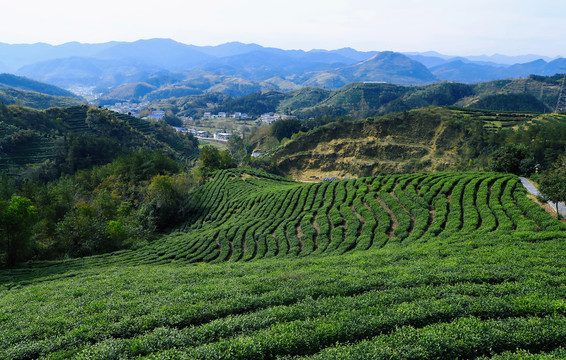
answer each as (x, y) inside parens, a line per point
(421, 266)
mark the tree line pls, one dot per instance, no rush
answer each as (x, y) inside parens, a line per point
(123, 204)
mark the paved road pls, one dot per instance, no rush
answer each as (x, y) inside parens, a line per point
(533, 190)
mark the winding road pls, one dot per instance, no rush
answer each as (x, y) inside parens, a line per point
(533, 190)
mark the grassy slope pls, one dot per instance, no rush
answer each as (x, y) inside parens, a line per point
(430, 139)
(466, 266)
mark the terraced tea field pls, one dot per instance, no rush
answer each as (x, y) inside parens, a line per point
(244, 216)
(421, 266)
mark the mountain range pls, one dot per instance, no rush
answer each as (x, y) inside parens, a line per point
(168, 67)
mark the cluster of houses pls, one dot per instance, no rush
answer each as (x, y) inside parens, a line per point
(270, 118)
(204, 134)
(223, 115)
(156, 114)
(132, 109)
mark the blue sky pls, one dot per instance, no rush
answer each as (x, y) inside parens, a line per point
(455, 27)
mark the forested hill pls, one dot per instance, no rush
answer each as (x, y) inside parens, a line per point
(36, 100)
(359, 100)
(67, 139)
(26, 92)
(23, 83)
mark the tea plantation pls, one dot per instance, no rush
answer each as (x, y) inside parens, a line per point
(420, 266)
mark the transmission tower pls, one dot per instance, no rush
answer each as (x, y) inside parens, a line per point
(561, 103)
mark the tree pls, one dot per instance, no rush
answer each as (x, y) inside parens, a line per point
(213, 159)
(210, 158)
(173, 120)
(285, 128)
(552, 186)
(167, 200)
(17, 217)
(514, 159)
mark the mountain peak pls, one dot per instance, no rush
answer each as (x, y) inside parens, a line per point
(389, 66)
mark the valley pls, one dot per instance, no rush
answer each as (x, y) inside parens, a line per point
(246, 202)
(283, 180)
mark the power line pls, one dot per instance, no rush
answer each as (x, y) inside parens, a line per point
(561, 103)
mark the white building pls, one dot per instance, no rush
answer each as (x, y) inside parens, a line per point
(257, 153)
(222, 136)
(156, 114)
(270, 118)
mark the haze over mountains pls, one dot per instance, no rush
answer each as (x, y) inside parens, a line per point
(237, 69)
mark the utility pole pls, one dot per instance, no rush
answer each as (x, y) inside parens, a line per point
(561, 103)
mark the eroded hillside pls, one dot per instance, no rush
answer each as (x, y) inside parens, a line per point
(432, 139)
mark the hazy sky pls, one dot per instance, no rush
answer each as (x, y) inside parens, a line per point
(455, 27)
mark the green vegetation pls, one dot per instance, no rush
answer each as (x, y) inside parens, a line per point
(123, 204)
(17, 217)
(430, 139)
(26, 92)
(553, 184)
(213, 159)
(99, 181)
(156, 261)
(23, 83)
(451, 265)
(63, 140)
(360, 100)
(10, 96)
(511, 102)
(514, 159)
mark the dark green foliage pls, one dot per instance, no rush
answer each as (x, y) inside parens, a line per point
(86, 150)
(513, 159)
(212, 159)
(173, 120)
(32, 99)
(440, 94)
(17, 218)
(511, 102)
(285, 128)
(553, 186)
(254, 104)
(105, 208)
(43, 144)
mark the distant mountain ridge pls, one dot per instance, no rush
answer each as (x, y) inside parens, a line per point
(113, 64)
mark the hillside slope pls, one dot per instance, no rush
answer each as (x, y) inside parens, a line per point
(367, 99)
(32, 99)
(431, 139)
(412, 266)
(358, 100)
(79, 135)
(22, 83)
